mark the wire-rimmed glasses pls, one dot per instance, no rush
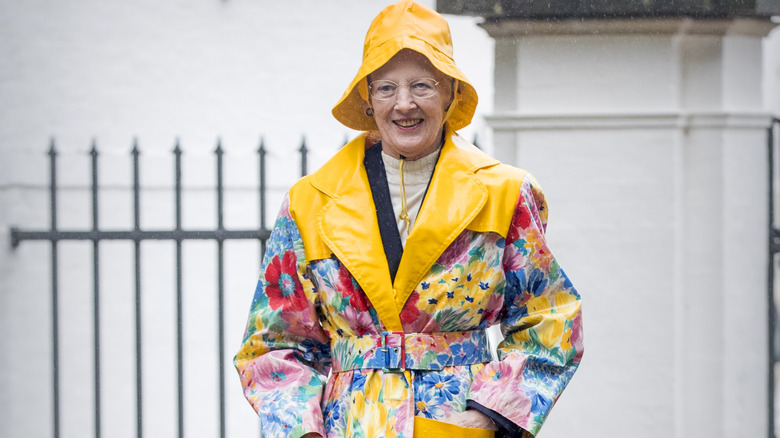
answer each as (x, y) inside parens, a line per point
(384, 89)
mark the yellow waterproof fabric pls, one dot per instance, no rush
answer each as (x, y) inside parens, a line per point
(340, 192)
(406, 25)
(427, 428)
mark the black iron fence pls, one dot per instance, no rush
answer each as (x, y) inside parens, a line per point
(219, 235)
(136, 235)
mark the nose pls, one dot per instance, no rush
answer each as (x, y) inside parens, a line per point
(404, 101)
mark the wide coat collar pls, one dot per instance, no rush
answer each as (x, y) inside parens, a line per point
(348, 222)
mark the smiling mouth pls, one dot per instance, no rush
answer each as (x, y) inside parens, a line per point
(407, 123)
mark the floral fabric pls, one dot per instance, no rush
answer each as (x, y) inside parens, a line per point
(481, 279)
(415, 351)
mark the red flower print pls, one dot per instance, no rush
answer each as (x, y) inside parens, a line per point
(284, 288)
(357, 298)
(522, 217)
(410, 313)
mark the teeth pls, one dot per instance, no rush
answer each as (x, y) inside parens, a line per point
(407, 123)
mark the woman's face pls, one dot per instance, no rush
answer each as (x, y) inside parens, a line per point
(410, 126)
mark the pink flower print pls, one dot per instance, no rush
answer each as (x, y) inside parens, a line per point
(493, 307)
(490, 390)
(361, 323)
(302, 323)
(514, 257)
(275, 371)
(576, 336)
(457, 252)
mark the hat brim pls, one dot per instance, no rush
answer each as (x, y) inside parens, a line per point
(350, 109)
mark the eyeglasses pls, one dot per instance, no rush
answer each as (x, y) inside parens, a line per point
(422, 88)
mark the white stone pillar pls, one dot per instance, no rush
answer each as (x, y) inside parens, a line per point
(649, 137)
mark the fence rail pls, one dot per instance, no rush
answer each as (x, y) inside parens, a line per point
(96, 235)
(773, 250)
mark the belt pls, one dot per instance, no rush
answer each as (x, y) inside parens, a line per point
(399, 351)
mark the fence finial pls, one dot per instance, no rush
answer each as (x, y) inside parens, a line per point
(304, 154)
(261, 148)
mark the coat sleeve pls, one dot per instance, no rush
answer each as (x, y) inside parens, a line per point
(285, 355)
(541, 323)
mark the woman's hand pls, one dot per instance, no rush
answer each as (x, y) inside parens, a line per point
(473, 419)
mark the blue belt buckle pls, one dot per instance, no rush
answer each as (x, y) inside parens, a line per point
(395, 357)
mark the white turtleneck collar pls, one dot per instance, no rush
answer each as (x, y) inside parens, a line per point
(417, 175)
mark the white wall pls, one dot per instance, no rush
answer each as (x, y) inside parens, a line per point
(625, 194)
(115, 70)
(650, 141)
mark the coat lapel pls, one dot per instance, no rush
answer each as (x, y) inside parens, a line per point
(454, 198)
(348, 222)
(348, 225)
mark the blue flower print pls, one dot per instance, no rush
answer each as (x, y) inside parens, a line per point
(539, 403)
(467, 350)
(537, 282)
(427, 404)
(442, 385)
(358, 382)
(332, 416)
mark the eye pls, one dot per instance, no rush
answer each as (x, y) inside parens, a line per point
(383, 89)
(423, 85)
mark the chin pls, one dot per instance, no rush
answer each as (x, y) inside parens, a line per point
(413, 149)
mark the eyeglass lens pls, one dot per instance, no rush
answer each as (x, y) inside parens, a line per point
(386, 89)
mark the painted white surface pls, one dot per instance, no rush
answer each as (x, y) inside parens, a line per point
(645, 147)
(651, 146)
(157, 71)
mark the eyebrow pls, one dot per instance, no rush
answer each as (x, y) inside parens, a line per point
(438, 78)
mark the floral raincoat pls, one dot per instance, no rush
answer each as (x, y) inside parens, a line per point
(315, 356)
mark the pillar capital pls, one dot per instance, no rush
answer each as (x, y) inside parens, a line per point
(743, 26)
(497, 10)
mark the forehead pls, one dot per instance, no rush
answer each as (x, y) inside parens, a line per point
(406, 64)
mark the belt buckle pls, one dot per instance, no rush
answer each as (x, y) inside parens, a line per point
(396, 350)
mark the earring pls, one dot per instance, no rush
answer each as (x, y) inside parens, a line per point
(370, 112)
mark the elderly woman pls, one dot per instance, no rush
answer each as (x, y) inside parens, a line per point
(385, 267)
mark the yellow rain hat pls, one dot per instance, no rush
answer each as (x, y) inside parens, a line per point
(406, 25)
